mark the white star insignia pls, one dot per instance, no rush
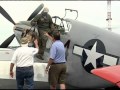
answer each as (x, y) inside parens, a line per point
(92, 55)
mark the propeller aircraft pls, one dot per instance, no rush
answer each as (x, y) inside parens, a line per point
(87, 47)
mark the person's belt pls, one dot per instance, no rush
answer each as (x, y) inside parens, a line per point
(26, 67)
(59, 63)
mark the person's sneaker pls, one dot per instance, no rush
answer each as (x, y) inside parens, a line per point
(40, 56)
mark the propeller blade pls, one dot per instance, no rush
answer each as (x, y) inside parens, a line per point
(6, 15)
(36, 12)
(6, 43)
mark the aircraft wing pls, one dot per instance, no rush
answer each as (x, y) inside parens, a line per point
(111, 73)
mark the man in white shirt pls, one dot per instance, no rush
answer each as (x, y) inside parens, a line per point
(23, 58)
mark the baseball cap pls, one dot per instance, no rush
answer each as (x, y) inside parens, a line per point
(24, 40)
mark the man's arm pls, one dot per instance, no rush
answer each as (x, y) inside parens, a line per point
(13, 61)
(48, 65)
(11, 70)
(34, 21)
(48, 35)
(51, 23)
(36, 43)
(52, 26)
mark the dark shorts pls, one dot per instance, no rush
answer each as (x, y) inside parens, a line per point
(57, 74)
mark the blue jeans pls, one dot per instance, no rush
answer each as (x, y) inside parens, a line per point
(25, 74)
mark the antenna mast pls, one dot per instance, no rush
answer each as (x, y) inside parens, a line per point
(109, 14)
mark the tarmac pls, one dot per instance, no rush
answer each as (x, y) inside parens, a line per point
(11, 84)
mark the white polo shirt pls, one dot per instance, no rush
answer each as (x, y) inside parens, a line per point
(24, 56)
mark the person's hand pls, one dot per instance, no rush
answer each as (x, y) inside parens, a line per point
(46, 70)
(11, 74)
(46, 34)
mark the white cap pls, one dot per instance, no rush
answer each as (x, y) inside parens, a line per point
(45, 9)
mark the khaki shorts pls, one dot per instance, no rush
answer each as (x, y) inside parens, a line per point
(57, 74)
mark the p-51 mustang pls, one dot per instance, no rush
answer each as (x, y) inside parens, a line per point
(87, 48)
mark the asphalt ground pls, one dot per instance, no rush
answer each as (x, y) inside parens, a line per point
(11, 84)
